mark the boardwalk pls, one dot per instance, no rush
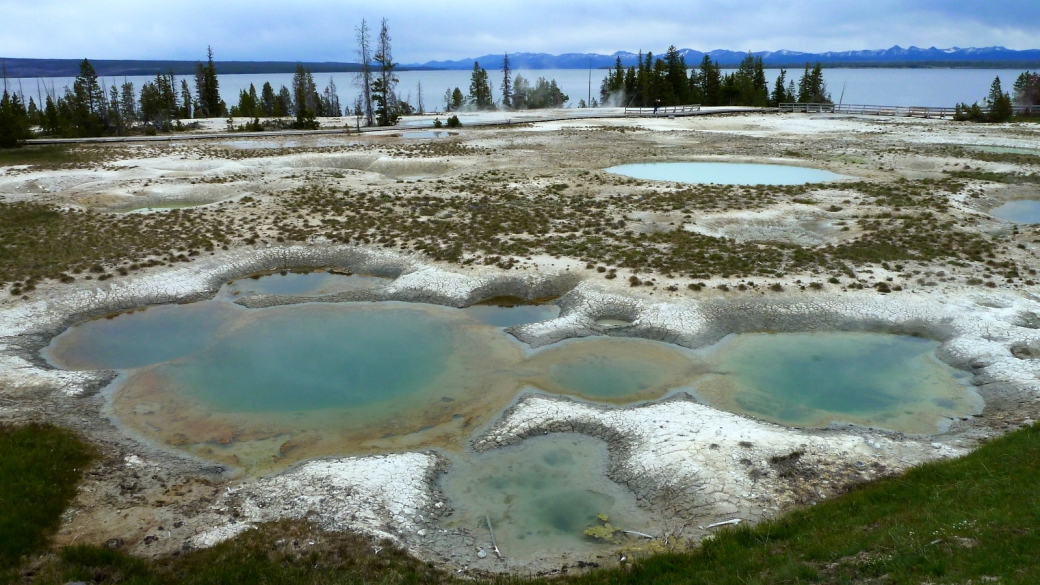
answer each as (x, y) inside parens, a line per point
(870, 110)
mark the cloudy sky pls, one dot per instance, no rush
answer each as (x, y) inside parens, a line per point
(322, 30)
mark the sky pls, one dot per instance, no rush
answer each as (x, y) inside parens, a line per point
(423, 30)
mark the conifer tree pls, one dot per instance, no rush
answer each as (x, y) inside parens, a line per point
(383, 93)
(711, 82)
(267, 99)
(128, 103)
(507, 83)
(207, 88)
(1000, 108)
(479, 88)
(14, 121)
(779, 90)
(1026, 90)
(457, 99)
(677, 77)
(812, 89)
(521, 93)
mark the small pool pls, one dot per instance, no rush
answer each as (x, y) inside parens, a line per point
(725, 173)
(1018, 211)
(308, 283)
(815, 379)
(429, 134)
(541, 496)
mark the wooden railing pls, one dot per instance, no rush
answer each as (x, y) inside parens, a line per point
(664, 111)
(903, 111)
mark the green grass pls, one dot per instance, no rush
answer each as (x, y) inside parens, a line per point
(40, 467)
(947, 522)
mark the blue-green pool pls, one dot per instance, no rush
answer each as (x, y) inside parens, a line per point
(725, 173)
(1018, 211)
(815, 379)
(541, 496)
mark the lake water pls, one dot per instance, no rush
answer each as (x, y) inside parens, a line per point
(725, 173)
(540, 496)
(1018, 211)
(814, 379)
(895, 87)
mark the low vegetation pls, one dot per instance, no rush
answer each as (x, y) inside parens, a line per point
(502, 217)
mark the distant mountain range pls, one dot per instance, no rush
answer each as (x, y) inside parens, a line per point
(986, 57)
(118, 68)
(895, 57)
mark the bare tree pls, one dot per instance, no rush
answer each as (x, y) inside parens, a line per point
(419, 100)
(364, 76)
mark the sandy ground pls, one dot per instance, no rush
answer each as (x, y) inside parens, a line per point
(687, 462)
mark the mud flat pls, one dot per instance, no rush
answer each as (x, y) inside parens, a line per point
(686, 464)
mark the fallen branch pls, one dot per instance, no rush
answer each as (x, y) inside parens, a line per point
(492, 531)
(732, 522)
(643, 534)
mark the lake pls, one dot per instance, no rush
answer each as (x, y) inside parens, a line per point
(895, 87)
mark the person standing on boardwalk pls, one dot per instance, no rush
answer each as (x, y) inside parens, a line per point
(657, 104)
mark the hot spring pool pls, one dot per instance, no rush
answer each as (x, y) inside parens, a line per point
(299, 282)
(814, 379)
(263, 388)
(1018, 211)
(541, 496)
(725, 173)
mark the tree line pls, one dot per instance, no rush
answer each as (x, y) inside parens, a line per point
(1000, 104)
(668, 81)
(516, 93)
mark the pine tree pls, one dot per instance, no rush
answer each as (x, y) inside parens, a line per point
(479, 88)
(521, 93)
(128, 103)
(1000, 108)
(711, 82)
(1026, 90)
(383, 88)
(779, 90)
(812, 89)
(14, 121)
(457, 99)
(507, 83)
(267, 99)
(677, 77)
(207, 90)
(283, 103)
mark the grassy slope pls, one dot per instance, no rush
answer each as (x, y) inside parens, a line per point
(40, 467)
(947, 522)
